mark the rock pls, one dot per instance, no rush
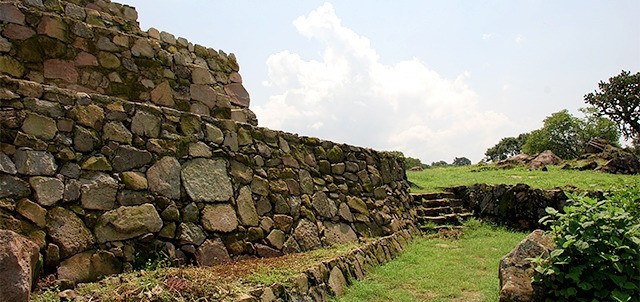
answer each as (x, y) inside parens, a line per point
(6, 165)
(108, 60)
(323, 205)
(190, 213)
(134, 181)
(143, 48)
(61, 69)
(19, 263)
(11, 66)
(191, 233)
(99, 192)
(54, 28)
(48, 190)
(212, 252)
(33, 212)
(246, 208)
(339, 233)
(213, 134)
(127, 158)
(337, 283)
(205, 94)
(30, 162)
(117, 132)
(163, 95)
(85, 140)
(239, 95)
(90, 115)
(276, 239)
(68, 232)
(145, 124)
(240, 172)
(516, 160)
(199, 149)
(200, 175)
(10, 13)
(219, 218)
(164, 177)
(282, 222)
(13, 187)
(264, 251)
(202, 76)
(357, 204)
(544, 159)
(307, 235)
(516, 272)
(345, 213)
(127, 222)
(89, 266)
(97, 163)
(626, 164)
(42, 127)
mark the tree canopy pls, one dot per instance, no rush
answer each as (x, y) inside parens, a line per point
(461, 161)
(619, 99)
(507, 147)
(567, 135)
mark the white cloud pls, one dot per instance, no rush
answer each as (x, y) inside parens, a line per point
(520, 39)
(488, 36)
(349, 96)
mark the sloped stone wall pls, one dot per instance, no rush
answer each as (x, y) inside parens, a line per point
(98, 47)
(96, 181)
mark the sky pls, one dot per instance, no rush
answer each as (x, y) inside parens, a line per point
(433, 79)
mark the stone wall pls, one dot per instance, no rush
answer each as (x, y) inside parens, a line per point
(519, 205)
(96, 181)
(98, 47)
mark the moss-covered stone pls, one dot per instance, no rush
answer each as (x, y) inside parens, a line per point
(11, 66)
(335, 154)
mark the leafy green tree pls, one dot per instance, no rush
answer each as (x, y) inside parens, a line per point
(507, 147)
(461, 161)
(567, 135)
(619, 99)
(441, 163)
(410, 162)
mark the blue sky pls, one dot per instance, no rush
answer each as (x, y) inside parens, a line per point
(433, 79)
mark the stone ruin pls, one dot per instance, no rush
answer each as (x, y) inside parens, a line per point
(115, 142)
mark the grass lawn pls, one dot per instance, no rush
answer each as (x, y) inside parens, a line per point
(436, 179)
(440, 269)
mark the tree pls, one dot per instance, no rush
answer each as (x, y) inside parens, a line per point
(507, 147)
(461, 161)
(441, 163)
(619, 99)
(567, 135)
(410, 162)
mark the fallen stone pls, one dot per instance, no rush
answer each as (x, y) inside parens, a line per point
(127, 222)
(19, 259)
(516, 271)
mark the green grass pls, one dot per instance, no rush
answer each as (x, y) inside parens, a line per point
(441, 269)
(443, 177)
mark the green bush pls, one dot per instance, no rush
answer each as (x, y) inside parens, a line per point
(597, 255)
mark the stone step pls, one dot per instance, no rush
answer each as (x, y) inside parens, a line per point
(455, 219)
(423, 211)
(418, 197)
(437, 228)
(445, 202)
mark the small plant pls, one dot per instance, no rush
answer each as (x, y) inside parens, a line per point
(597, 255)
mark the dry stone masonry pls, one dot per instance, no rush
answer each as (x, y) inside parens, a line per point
(98, 47)
(117, 145)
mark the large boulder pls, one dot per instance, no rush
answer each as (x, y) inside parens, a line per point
(626, 164)
(516, 271)
(546, 158)
(19, 263)
(89, 266)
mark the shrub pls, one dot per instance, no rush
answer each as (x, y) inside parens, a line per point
(597, 255)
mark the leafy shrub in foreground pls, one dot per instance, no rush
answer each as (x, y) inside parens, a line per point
(597, 255)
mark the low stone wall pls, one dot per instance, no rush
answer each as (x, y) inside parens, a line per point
(330, 278)
(98, 47)
(97, 181)
(519, 205)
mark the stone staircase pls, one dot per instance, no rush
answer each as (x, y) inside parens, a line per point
(439, 211)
